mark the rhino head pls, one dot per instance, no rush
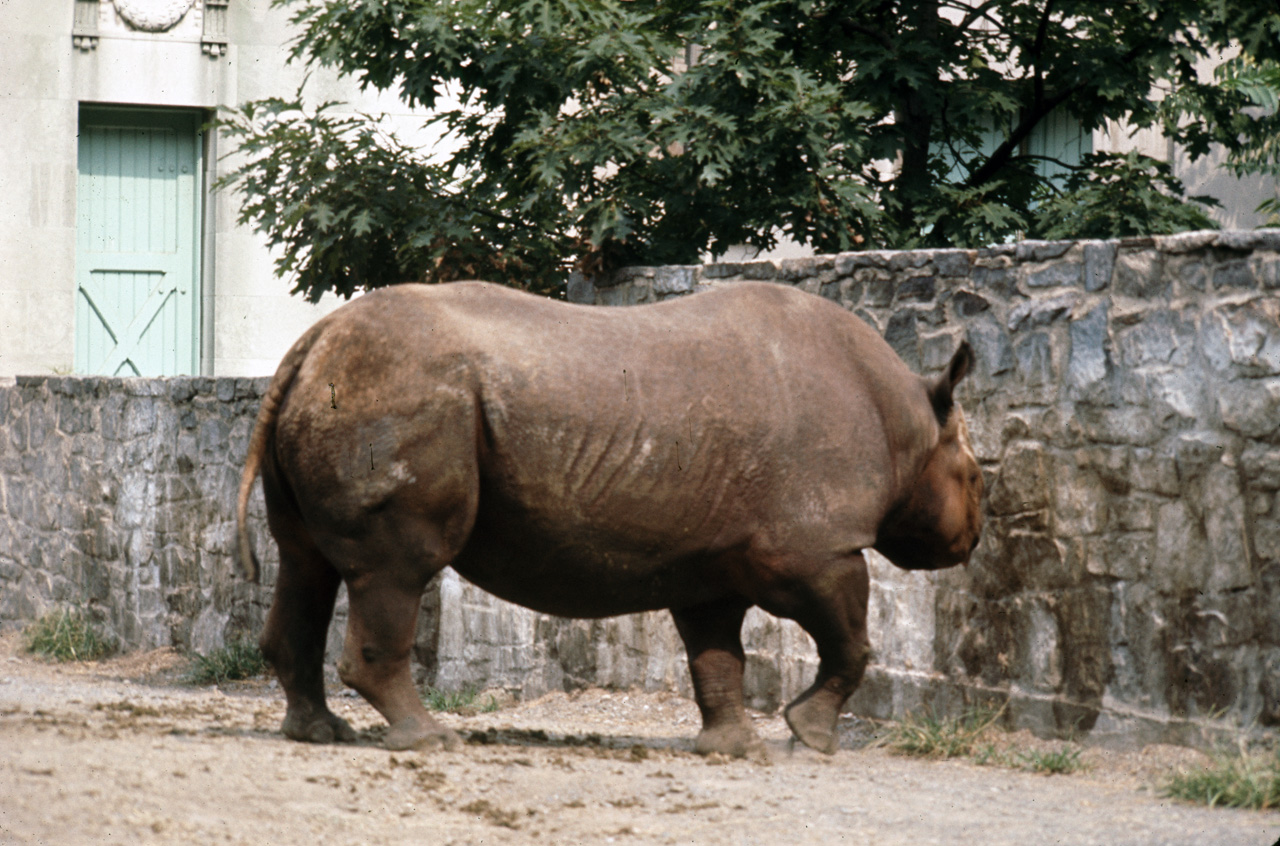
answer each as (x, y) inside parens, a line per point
(938, 521)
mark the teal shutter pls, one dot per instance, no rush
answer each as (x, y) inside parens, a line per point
(1059, 140)
(1063, 143)
(137, 242)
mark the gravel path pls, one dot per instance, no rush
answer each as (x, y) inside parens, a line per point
(116, 753)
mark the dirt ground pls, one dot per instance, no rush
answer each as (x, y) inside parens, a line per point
(118, 752)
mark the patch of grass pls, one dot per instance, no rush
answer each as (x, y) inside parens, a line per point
(458, 701)
(989, 755)
(1240, 780)
(1059, 762)
(240, 659)
(67, 636)
(967, 736)
(928, 735)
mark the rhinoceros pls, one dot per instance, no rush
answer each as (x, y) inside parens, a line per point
(740, 447)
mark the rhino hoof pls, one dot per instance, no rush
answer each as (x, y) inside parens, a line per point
(814, 726)
(406, 736)
(326, 728)
(734, 741)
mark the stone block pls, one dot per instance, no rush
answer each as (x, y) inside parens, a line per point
(1158, 336)
(622, 295)
(1034, 354)
(74, 416)
(723, 270)
(1000, 282)
(1251, 407)
(1089, 360)
(903, 336)
(967, 304)
(1041, 312)
(1040, 649)
(1190, 274)
(1233, 273)
(1244, 337)
(1055, 275)
(1182, 392)
(1120, 555)
(920, 289)
(991, 345)
(1186, 242)
(1099, 263)
(673, 280)
(877, 285)
(1269, 689)
(1250, 240)
(908, 259)
(1140, 274)
(1265, 269)
(901, 616)
(844, 291)
(953, 262)
(1085, 614)
(936, 351)
(1260, 465)
(1196, 452)
(1225, 530)
(211, 441)
(1024, 481)
(1031, 250)
(1080, 501)
(1181, 559)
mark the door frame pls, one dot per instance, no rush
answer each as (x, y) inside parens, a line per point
(192, 123)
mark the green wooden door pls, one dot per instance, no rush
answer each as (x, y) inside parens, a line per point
(137, 242)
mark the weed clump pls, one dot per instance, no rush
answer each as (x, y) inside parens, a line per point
(931, 736)
(239, 659)
(1058, 762)
(1241, 780)
(465, 701)
(67, 635)
(967, 736)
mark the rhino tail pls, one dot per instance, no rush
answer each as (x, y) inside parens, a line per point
(263, 428)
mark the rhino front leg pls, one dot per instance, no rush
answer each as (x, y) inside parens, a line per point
(713, 641)
(833, 610)
(293, 642)
(375, 660)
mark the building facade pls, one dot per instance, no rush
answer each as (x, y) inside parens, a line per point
(117, 256)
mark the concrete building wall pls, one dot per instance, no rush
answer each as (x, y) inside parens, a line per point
(248, 316)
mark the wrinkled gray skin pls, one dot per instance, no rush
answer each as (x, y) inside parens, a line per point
(735, 448)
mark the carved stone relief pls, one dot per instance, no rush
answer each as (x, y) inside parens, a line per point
(203, 21)
(153, 15)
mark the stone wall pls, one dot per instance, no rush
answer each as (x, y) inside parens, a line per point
(1126, 408)
(118, 495)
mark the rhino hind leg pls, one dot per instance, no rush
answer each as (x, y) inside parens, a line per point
(713, 642)
(834, 613)
(293, 642)
(375, 660)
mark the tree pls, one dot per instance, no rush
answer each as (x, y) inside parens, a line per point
(586, 139)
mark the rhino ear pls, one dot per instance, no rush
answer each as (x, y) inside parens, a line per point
(941, 394)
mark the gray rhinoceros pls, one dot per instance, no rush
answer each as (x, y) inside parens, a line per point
(740, 447)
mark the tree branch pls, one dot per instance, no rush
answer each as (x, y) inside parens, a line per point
(1037, 51)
